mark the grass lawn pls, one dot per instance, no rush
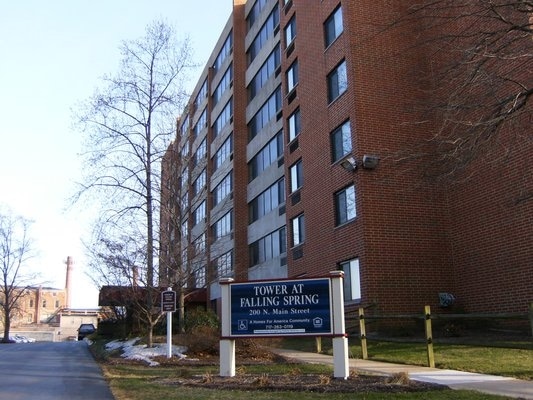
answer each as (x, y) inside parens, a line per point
(513, 359)
(139, 382)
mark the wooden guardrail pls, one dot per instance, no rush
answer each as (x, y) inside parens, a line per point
(428, 317)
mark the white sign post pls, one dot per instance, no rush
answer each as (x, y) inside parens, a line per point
(168, 304)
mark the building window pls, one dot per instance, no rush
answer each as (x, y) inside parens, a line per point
(185, 125)
(345, 205)
(224, 52)
(44, 303)
(202, 94)
(199, 244)
(223, 152)
(297, 178)
(254, 13)
(352, 280)
(199, 213)
(224, 265)
(223, 189)
(267, 156)
(292, 76)
(298, 230)
(337, 81)
(57, 303)
(268, 247)
(294, 125)
(31, 302)
(185, 203)
(199, 183)
(266, 113)
(201, 124)
(201, 152)
(199, 276)
(224, 118)
(185, 229)
(223, 226)
(224, 84)
(333, 26)
(267, 70)
(267, 31)
(341, 141)
(290, 31)
(267, 201)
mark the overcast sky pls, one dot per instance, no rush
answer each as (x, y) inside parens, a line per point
(52, 54)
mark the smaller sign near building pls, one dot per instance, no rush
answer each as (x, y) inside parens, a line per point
(280, 308)
(168, 301)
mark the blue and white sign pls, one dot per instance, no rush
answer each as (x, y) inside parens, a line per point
(280, 308)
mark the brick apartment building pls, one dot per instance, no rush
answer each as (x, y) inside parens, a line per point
(298, 155)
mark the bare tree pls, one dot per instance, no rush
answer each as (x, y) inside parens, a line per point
(480, 77)
(16, 249)
(129, 123)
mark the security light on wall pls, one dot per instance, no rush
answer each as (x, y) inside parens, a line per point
(349, 163)
(370, 162)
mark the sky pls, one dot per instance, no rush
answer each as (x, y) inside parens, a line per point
(52, 56)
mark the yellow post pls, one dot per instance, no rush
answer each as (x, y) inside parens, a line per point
(531, 316)
(429, 336)
(318, 341)
(362, 331)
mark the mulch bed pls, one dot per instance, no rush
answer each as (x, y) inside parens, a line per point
(301, 383)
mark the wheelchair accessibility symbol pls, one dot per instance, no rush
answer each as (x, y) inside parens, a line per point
(242, 325)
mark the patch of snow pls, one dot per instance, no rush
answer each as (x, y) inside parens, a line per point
(131, 351)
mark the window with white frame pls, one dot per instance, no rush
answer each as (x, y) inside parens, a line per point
(333, 26)
(341, 141)
(294, 125)
(290, 31)
(297, 178)
(292, 76)
(337, 81)
(345, 209)
(298, 230)
(352, 280)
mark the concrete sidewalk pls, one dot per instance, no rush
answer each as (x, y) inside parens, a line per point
(491, 384)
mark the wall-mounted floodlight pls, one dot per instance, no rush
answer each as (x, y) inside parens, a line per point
(349, 163)
(370, 162)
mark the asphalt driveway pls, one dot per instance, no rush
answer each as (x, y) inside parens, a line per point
(46, 370)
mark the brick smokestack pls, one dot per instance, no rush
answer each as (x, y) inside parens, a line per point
(68, 283)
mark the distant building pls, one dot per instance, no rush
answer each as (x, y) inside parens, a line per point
(281, 168)
(45, 313)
